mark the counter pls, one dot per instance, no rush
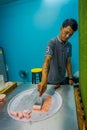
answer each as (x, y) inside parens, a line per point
(64, 119)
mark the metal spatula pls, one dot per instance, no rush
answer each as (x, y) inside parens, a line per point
(29, 100)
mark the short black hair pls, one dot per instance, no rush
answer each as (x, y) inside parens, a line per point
(70, 22)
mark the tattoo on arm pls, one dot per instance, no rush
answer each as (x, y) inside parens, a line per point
(47, 64)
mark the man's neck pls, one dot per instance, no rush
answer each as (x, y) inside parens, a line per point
(59, 38)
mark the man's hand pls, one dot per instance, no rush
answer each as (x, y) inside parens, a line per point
(42, 87)
(70, 82)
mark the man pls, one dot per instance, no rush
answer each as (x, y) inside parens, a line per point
(57, 58)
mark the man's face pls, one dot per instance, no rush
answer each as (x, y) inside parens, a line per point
(66, 33)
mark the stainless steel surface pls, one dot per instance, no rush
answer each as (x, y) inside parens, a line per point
(64, 119)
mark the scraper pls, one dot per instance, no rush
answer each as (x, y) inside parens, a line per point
(38, 101)
(29, 101)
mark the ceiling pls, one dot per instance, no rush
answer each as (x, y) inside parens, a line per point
(6, 1)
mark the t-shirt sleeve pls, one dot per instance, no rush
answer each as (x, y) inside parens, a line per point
(69, 50)
(49, 49)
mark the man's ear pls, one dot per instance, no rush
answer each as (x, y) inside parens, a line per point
(61, 28)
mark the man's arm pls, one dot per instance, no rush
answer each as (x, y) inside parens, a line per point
(45, 69)
(69, 71)
(42, 86)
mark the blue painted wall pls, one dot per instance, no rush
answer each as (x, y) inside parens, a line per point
(26, 27)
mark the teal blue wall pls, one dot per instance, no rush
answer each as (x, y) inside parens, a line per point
(27, 26)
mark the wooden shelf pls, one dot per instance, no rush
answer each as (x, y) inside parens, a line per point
(9, 88)
(82, 123)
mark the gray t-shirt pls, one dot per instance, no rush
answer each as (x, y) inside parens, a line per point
(59, 52)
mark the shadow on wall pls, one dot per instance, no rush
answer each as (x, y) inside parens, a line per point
(24, 75)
